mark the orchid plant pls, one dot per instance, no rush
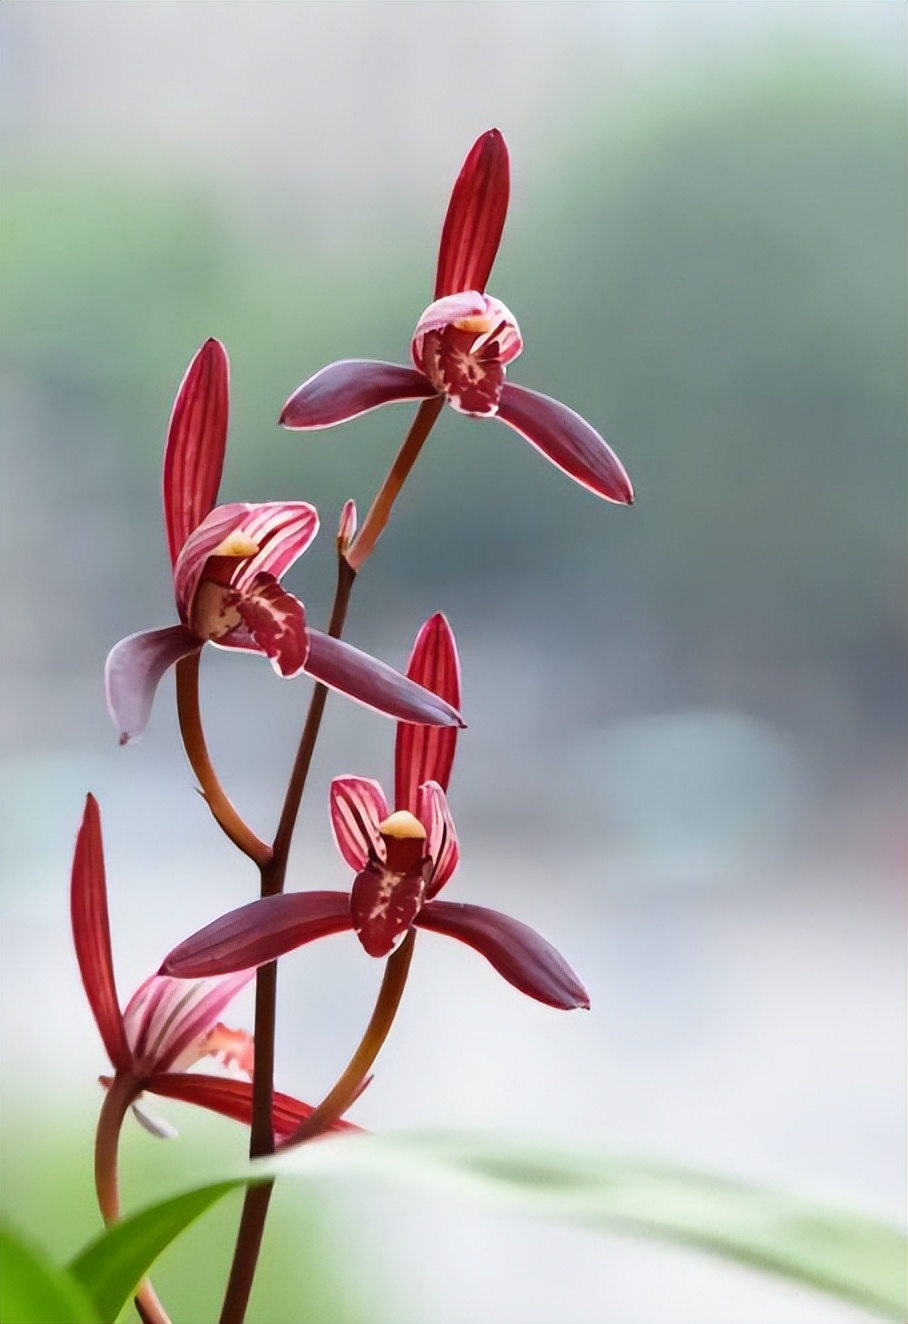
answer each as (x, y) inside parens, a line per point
(227, 564)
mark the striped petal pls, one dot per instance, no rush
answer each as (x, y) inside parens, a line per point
(91, 936)
(475, 218)
(196, 443)
(375, 684)
(426, 753)
(516, 951)
(280, 531)
(441, 835)
(259, 932)
(233, 1098)
(357, 805)
(133, 670)
(567, 441)
(168, 1021)
(349, 388)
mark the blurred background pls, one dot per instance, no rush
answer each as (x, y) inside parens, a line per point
(685, 761)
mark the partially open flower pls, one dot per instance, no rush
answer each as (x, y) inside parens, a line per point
(227, 563)
(463, 343)
(168, 1025)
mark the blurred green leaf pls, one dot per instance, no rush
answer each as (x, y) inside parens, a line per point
(111, 1266)
(35, 1291)
(840, 1252)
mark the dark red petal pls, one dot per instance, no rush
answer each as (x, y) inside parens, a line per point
(233, 1098)
(516, 951)
(357, 805)
(91, 936)
(277, 622)
(133, 671)
(384, 905)
(567, 440)
(475, 217)
(351, 387)
(364, 678)
(259, 932)
(424, 753)
(196, 443)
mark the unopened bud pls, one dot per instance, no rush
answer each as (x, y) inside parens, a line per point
(346, 527)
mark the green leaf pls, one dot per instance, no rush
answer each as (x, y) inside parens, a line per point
(847, 1254)
(35, 1291)
(111, 1266)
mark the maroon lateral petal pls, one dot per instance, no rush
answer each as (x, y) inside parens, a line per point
(383, 905)
(357, 805)
(475, 217)
(362, 677)
(91, 936)
(567, 440)
(516, 951)
(196, 443)
(277, 622)
(233, 1098)
(259, 932)
(351, 387)
(133, 670)
(424, 753)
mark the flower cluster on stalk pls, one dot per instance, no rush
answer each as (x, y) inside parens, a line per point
(227, 565)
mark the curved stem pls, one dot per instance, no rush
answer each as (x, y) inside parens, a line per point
(349, 1084)
(190, 716)
(273, 871)
(378, 513)
(122, 1092)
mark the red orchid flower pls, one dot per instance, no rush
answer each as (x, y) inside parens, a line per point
(227, 564)
(168, 1024)
(463, 343)
(402, 860)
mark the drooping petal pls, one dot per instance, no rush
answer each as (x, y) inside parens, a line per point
(276, 621)
(233, 1098)
(441, 835)
(351, 387)
(362, 677)
(383, 906)
(516, 951)
(259, 932)
(196, 443)
(567, 440)
(475, 217)
(133, 670)
(168, 1021)
(426, 753)
(236, 542)
(357, 805)
(91, 936)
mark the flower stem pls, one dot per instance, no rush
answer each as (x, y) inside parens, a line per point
(213, 793)
(349, 1084)
(122, 1092)
(273, 871)
(377, 516)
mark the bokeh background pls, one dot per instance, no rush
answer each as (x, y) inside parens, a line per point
(685, 761)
